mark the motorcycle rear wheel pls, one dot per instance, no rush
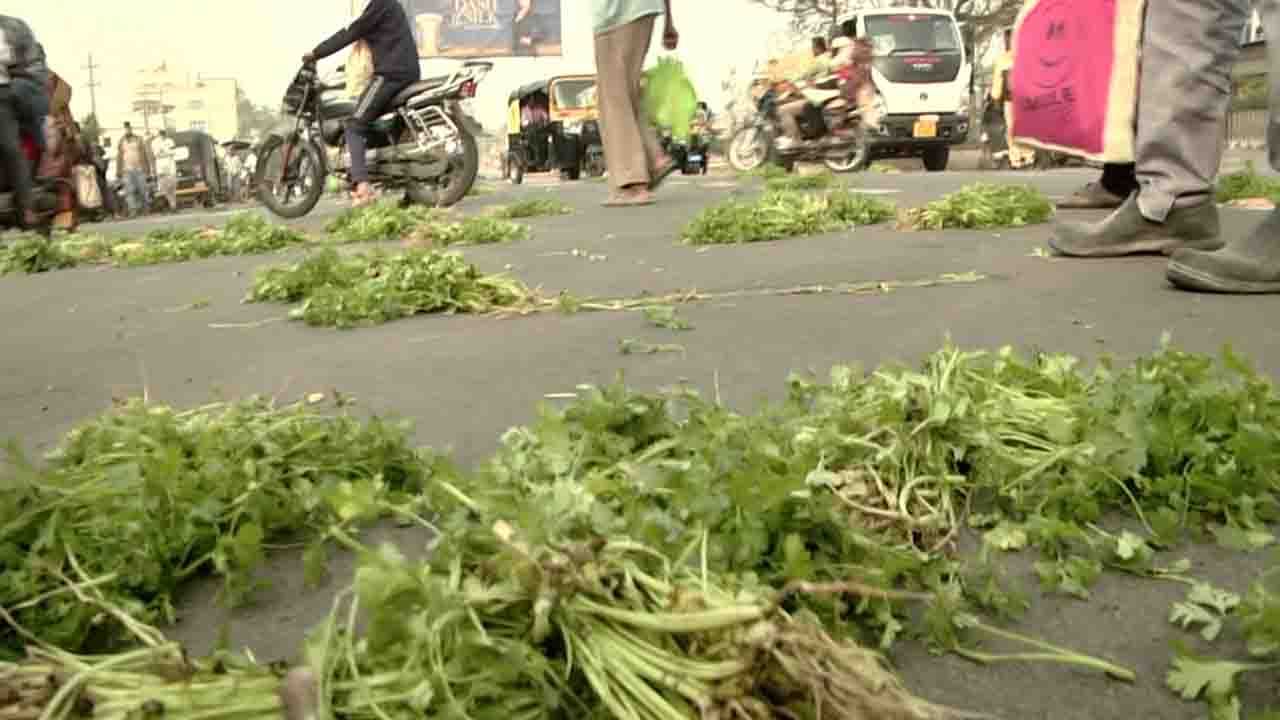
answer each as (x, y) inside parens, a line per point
(307, 168)
(450, 188)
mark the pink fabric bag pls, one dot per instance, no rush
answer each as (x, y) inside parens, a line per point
(1075, 76)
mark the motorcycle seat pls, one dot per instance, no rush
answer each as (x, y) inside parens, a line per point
(421, 86)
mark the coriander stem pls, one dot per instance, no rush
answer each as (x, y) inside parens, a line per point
(1061, 654)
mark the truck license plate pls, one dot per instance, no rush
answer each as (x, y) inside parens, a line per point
(926, 127)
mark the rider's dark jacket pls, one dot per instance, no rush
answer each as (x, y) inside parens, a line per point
(21, 57)
(384, 25)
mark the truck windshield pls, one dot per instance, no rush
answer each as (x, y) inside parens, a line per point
(901, 33)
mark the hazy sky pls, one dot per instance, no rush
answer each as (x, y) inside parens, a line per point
(259, 43)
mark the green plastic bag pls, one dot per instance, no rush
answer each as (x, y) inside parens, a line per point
(669, 97)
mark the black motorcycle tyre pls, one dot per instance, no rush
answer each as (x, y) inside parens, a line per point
(461, 179)
(312, 196)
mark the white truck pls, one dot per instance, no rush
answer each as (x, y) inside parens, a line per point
(924, 78)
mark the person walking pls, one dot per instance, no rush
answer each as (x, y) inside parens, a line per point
(635, 160)
(163, 150)
(1020, 156)
(1189, 50)
(133, 166)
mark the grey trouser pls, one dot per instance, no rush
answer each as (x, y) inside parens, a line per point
(631, 148)
(1189, 48)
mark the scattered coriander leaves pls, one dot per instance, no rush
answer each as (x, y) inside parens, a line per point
(144, 497)
(666, 316)
(539, 207)
(779, 215)
(374, 288)
(1247, 184)
(981, 206)
(381, 221)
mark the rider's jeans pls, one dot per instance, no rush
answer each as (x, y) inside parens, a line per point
(790, 114)
(32, 106)
(12, 163)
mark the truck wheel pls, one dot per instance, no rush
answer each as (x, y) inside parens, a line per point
(936, 159)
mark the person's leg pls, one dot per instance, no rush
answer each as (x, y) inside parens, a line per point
(33, 106)
(639, 38)
(12, 162)
(372, 102)
(624, 150)
(1118, 182)
(1249, 263)
(1189, 48)
(135, 191)
(789, 115)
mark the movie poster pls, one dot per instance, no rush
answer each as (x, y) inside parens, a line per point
(483, 28)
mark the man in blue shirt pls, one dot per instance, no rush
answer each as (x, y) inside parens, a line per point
(623, 31)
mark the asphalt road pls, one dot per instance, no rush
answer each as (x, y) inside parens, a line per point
(78, 338)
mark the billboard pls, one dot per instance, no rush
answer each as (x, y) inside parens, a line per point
(483, 28)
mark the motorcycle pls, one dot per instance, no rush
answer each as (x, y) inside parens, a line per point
(44, 192)
(690, 156)
(831, 128)
(424, 144)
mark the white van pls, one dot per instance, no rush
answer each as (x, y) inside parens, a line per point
(924, 78)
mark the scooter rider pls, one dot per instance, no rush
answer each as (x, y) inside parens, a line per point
(24, 102)
(385, 27)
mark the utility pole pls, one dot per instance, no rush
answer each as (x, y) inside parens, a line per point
(93, 87)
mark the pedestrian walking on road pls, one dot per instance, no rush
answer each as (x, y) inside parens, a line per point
(1189, 49)
(163, 150)
(635, 160)
(133, 165)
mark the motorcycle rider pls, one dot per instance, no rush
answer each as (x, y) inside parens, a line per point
(789, 113)
(24, 102)
(385, 27)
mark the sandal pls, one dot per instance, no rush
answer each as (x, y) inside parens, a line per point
(635, 197)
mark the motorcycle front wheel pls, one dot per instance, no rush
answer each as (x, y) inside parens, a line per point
(750, 148)
(293, 192)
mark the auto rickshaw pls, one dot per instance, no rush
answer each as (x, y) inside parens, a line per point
(554, 126)
(199, 174)
(576, 111)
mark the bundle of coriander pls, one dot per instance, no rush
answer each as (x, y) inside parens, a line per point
(497, 626)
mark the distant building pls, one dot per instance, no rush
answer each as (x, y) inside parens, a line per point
(165, 98)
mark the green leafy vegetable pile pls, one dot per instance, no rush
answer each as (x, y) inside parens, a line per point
(470, 231)
(670, 98)
(1248, 184)
(244, 234)
(369, 289)
(531, 209)
(381, 221)
(29, 253)
(136, 502)
(982, 206)
(154, 681)
(798, 183)
(660, 556)
(779, 215)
